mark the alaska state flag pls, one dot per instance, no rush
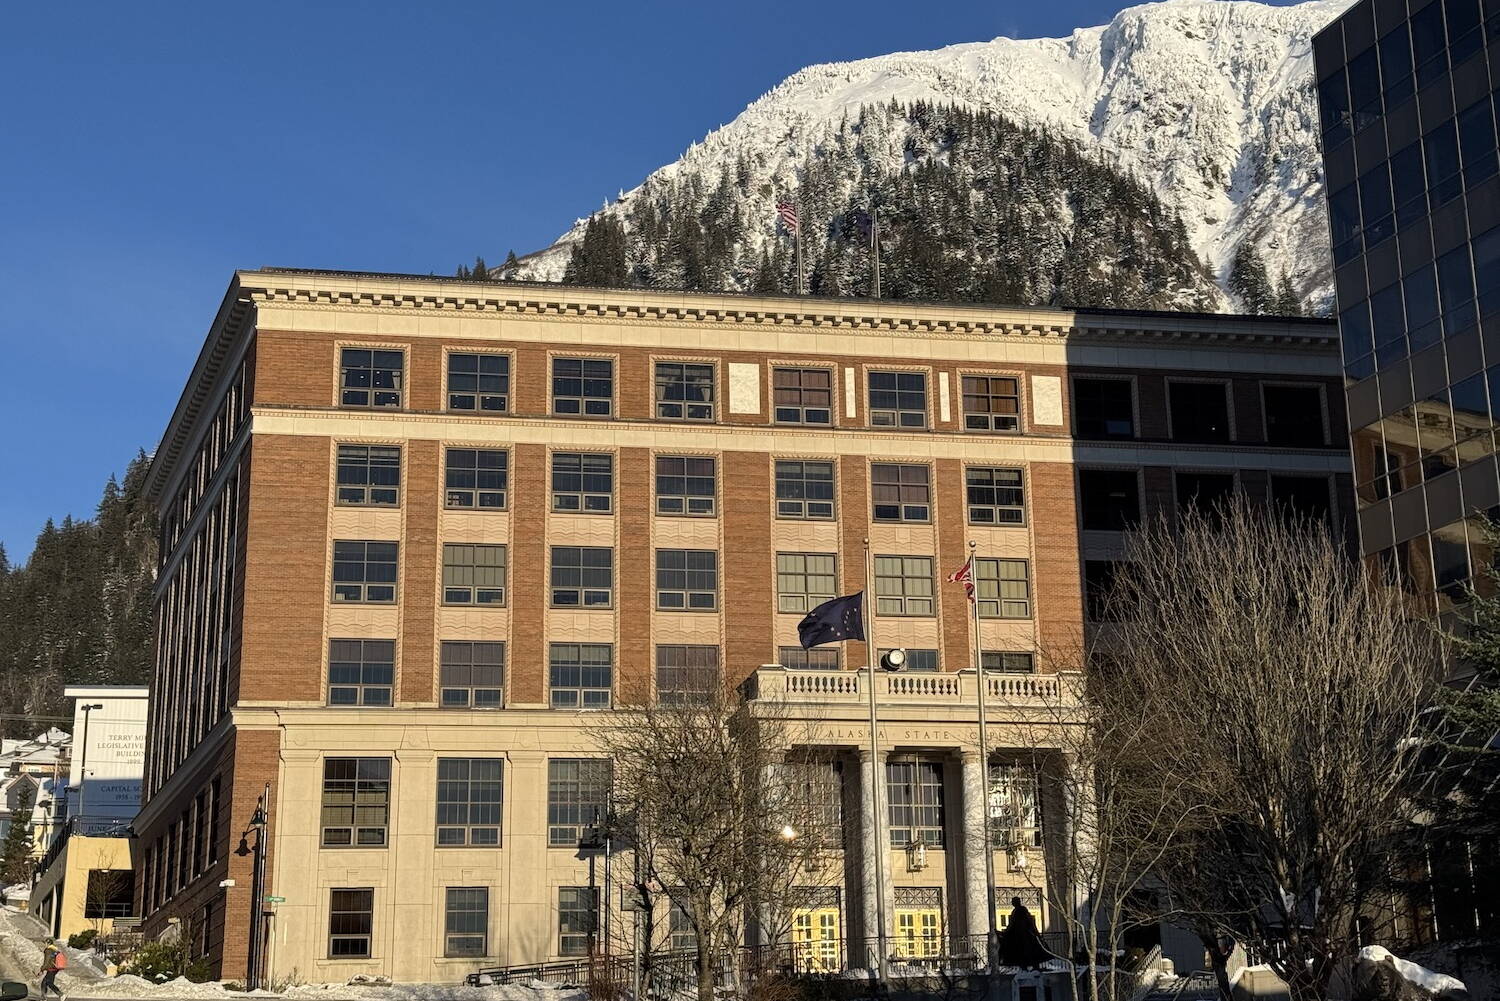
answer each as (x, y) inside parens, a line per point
(839, 619)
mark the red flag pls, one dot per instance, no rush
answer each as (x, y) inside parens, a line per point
(788, 213)
(964, 575)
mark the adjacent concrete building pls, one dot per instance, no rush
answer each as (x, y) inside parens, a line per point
(420, 537)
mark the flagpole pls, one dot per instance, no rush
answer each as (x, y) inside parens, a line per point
(991, 935)
(877, 774)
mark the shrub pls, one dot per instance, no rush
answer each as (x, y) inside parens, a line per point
(83, 939)
(161, 961)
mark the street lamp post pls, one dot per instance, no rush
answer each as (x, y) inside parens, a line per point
(258, 823)
(83, 751)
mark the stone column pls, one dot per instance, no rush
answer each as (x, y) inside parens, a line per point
(874, 851)
(976, 894)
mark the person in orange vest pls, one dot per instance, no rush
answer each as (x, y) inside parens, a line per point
(53, 960)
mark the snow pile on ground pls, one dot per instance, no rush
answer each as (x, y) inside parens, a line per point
(1439, 984)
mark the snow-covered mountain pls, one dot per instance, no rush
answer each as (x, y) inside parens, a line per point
(1208, 102)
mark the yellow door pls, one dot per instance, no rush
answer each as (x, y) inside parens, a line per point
(919, 932)
(815, 939)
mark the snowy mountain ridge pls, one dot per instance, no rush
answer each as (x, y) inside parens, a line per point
(1209, 102)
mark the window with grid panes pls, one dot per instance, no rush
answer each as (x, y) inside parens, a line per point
(686, 673)
(583, 387)
(818, 659)
(804, 580)
(900, 491)
(470, 802)
(916, 659)
(684, 391)
(364, 571)
(356, 802)
(1015, 809)
(1103, 408)
(371, 378)
(369, 475)
(473, 574)
(582, 577)
(996, 496)
(804, 489)
(576, 909)
(992, 403)
(683, 936)
(580, 675)
(361, 672)
(466, 918)
(577, 796)
(818, 783)
(687, 580)
(471, 675)
(1109, 499)
(583, 482)
(898, 399)
(476, 477)
(479, 382)
(1009, 661)
(685, 485)
(351, 919)
(803, 395)
(1003, 588)
(914, 789)
(903, 585)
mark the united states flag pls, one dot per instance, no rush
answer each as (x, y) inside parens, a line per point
(964, 575)
(788, 213)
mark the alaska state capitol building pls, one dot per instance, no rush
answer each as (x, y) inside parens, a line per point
(421, 537)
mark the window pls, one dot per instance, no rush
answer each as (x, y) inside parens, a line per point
(794, 658)
(364, 572)
(476, 477)
(1333, 108)
(351, 915)
(683, 936)
(1476, 137)
(903, 585)
(1008, 661)
(110, 893)
(1305, 495)
(684, 392)
(898, 399)
(583, 387)
(1444, 182)
(1428, 45)
(356, 802)
(1003, 588)
(577, 789)
(1375, 205)
(1343, 222)
(685, 486)
(479, 382)
(369, 475)
(361, 672)
(804, 581)
(687, 579)
(470, 799)
(916, 659)
(583, 482)
(914, 789)
(1199, 410)
(1364, 88)
(1408, 184)
(1098, 582)
(1111, 501)
(466, 915)
(900, 492)
(371, 378)
(582, 577)
(996, 496)
(473, 574)
(1395, 65)
(804, 489)
(581, 675)
(991, 403)
(686, 673)
(819, 786)
(472, 675)
(1208, 492)
(1015, 811)
(1103, 408)
(803, 395)
(576, 907)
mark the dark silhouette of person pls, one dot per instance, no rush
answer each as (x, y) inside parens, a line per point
(1020, 943)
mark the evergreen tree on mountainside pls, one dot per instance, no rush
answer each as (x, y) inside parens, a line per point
(15, 849)
(972, 207)
(1249, 282)
(79, 610)
(510, 264)
(1288, 302)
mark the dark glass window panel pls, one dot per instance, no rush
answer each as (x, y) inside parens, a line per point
(687, 579)
(900, 492)
(914, 793)
(580, 675)
(1199, 410)
(1435, 425)
(1098, 581)
(350, 923)
(816, 659)
(898, 399)
(364, 571)
(1103, 408)
(1389, 324)
(472, 674)
(1476, 138)
(804, 489)
(1487, 271)
(1294, 415)
(577, 796)
(356, 801)
(1464, 36)
(371, 378)
(1355, 332)
(1110, 499)
(1343, 219)
(1305, 495)
(1375, 205)
(1456, 290)
(369, 475)
(685, 486)
(583, 482)
(1409, 184)
(686, 673)
(684, 392)
(1450, 560)
(1395, 65)
(583, 387)
(1429, 46)
(476, 477)
(466, 921)
(1471, 418)
(361, 672)
(1440, 148)
(1208, 492)
(1333, 106)
(995, 496)
(1364, 88)
(582, 577)
(1419, 289)
(479, 382)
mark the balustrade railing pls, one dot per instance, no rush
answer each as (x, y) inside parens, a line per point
(774, 682)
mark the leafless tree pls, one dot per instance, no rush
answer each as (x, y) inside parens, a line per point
(721, 822)
(1283, 688)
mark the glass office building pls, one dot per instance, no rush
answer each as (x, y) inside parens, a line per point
(1408, 98)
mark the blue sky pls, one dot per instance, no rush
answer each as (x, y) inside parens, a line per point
(147, 150)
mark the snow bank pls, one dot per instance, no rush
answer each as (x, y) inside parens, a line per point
(1427, 979)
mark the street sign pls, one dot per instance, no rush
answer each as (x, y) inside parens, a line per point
(275, 900)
